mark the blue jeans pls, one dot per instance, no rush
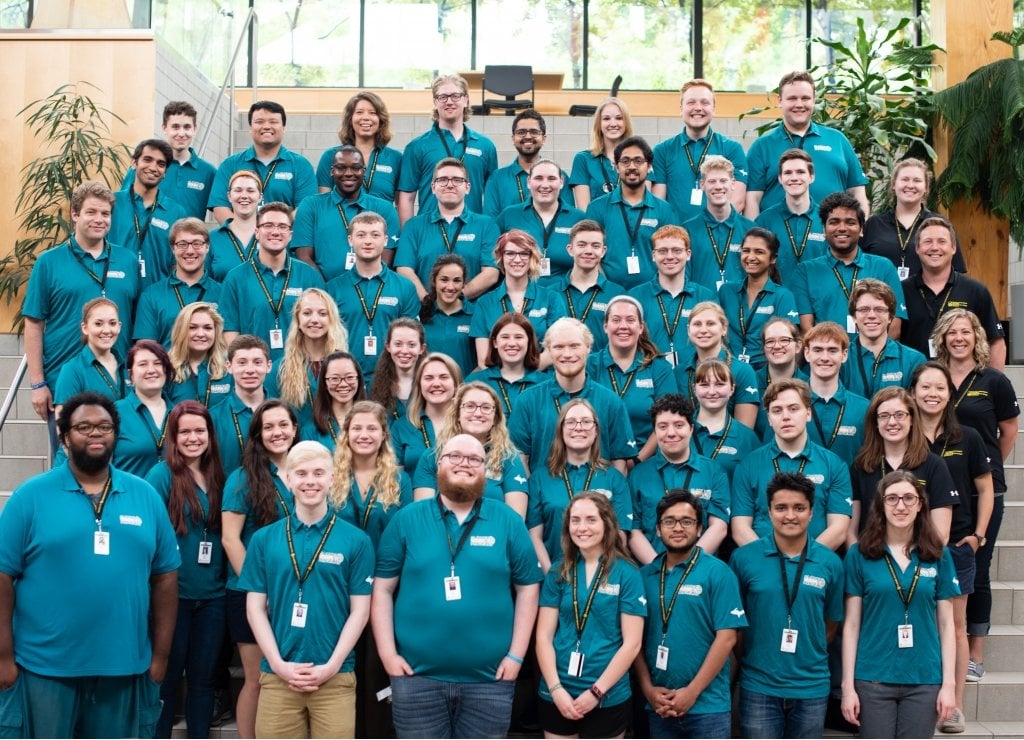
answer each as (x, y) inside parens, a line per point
(424, 707)
(711, 725)
(979, 603)
(764, 716)
(194, 651)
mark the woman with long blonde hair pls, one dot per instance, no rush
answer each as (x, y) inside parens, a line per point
(199, 356)
(415, 434)
(593, 170)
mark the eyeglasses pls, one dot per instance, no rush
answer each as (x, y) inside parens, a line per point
(584, 424)
(779, 342)
(454, 97)
(674, 251)
(884, 416)
(446, 181)
(472, 408)
(868, 310)
(627, 161)
(339, 379)
(522, 132)
(86, 428)
(194, 244)
(518, 256)
(283, 228)
(457, 458)
(908, 499)
(670, 522)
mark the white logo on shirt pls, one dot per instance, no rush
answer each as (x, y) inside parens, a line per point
(131, 520)
(483, 540)
(332, 558)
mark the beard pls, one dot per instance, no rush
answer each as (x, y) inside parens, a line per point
(460, 490)
(88, 463)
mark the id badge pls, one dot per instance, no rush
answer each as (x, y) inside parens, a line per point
(743, 356)
(452, 589)
(905, 636)
(931, 349)
(142, 267)
(350, 260)
(719, 284)
(370, 346)
(633, 264)
(696, 197)
(575, 664)
(903, 272)
(101, 543)
(545, 266)
(670, 357)
(851, 325)
(299, 612)
(205, 553)
(661, 660)
(788, 644)
(276, 339)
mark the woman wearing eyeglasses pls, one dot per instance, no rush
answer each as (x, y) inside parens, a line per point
(783, 347)
(339, 386)
(898, 648)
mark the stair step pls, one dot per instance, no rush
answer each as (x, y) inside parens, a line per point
(1012, 527)
(1004, 653)
(1008, 603)
(996, 699)
(1008, 560)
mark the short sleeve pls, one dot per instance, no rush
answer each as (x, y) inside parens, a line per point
(323, 169)
(622, 499)
(360, 575)
(522, 555)
(631, 592)
(743, 494)
(854, 572)
(302, 229)
(840, 490)
(391, 549)
(254, 572)
(551, 590)
(834, 595)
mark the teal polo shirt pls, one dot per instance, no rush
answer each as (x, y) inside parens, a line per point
(836, 166)
(715, 246)
(77, 613)
(837, 423)
(677, 164)
(705, 601)
(667, 316)
(309, 431)
(231, 419)
(236, 500)
(84, 372)
(498, 555)
(552, 239)
(427, 236)
(532, 423)
(801, 235)
(368, 306)
(620, 592)
(651, 480)
(508, 390)
(764, 668)
(747, 320)
(637, 387)
(227, 252)
(255, 300)
(550, 496)
(288, 178)
(594, 171)
(511, 479)
(321, 222)
(199, 386)
(412, 441)
(727, 446)
(145, 232)
(449, 333)
(590, 305)
(196, 580)
(833, 492)
(822, 286)
(628, 230)
(188, 183)
(161, 302)
(541, 306)
(140, 442)
(62, 280)
(375, 520)
(421, 154)
(761, 427)
(743, 376)
(507, 187)
(865, 374)
(343, 569)
(382, 171)
(879, 657)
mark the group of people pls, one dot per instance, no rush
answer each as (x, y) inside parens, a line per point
(406, 459)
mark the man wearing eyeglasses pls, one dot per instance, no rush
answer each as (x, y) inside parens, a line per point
(508, 186)
(190, 282)
(449, 137)
(458, 557)
(322, 221)
(449, 226)
(257, 296)
(88, 574)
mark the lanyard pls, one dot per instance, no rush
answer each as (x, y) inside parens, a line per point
(97, 505)
(519, 186)
(798, 252)
(426, 437)
(745, 325)
(904, 241)
(547, 229)
(301, 576)
(615, 383)
(961, 395)
(842, 281)
(181, 301)
(118, 389)
(344, 218)
(695, 168)
(821, 431)
(265, 180)
(364, 518)
(504, 396)
(721, 440)
(666, 614)
(467, 528)
(448, 242)
(869, 389)
(942, 306)
(581, 621)
(244, 253)
(720, 257)
(277, 305)
(907, 597)
(568, 485)
(603, 161)
(100, 281)
(790, 593)
(632, 232)
(507, 307)
(141, 231)
(238, 432)
(590, 303)
(371, 170)
(798, 142)
(370, 312)
(803, 463)
(444, 142)
(686, 480)
(671, 328)
(203, 511)
(158, 439)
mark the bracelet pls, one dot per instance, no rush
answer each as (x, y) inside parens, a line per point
(37, 386)
(597, 692)
(553, 689)
(513, 658)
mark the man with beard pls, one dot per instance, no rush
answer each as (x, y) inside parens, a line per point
(322, 221)
(443, 616)
(507, 186)
(822, 286)
(683, 669)
(88, 590)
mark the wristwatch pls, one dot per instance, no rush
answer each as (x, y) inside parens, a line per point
(982, 539)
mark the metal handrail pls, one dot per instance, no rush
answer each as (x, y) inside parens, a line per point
(12, 392)
(251, 21)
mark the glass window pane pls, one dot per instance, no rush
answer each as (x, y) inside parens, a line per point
(314, 43)
(545, 34)
(430, 38)
(837, 20)
(14, 13)
(649, 43)
(205, 34)
(776, 30)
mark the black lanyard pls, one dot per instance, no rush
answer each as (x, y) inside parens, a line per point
(141, 231)
(370, 312)
(671, 328)
(800, 470)
(666, 614)
(615, 383)
(301, 576)
(451, 243)
(904, 242)
(98, 504)
(467, 527)
(278, 304)
(547, 229)
(790, 593)
(821, 431)
(721, 440)
(745, 325)
(695, 167)
(265, 180)
(908, 596)
(603, 161)
(869, 388)
(568, 486)
(686, 480)
(581, 621)
(444, 142)
(632, 231)
(118, 389)
(238, 432)
(961, 395)
(842, 281)
(158, 439)
(798, 252)
(244, 254)
(363, 518)
(590, 303)
(371, 170)
(504, 395)
(942, 305)
(720, 257)
(181, 301)
(344, 218)
(105, 254)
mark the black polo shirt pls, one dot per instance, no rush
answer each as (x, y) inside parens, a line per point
(885, 237)
(985, 398)
(966, 460)
(925, 307)
(938, 485)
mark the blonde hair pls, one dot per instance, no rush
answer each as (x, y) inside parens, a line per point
(715, 308)
(416, 401)
(385, 480)
(597, 136)
(292, 379)
(982, 352)
(500, 447)
(304, 452)
(216, 358)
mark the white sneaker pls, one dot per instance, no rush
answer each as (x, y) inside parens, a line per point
(955, 724)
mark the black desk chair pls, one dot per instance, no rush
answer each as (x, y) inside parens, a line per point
(509, 81)
(589, 110)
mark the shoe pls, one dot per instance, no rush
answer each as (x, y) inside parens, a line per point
(955, 724)
(975, 671)
(222, 711)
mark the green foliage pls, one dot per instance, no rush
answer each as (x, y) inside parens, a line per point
(75, 132)
(876, 92)
(985, 112)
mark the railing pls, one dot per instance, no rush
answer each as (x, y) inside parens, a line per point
(251, 22)
(12, 392)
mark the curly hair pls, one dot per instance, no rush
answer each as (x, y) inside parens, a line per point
(385, 479)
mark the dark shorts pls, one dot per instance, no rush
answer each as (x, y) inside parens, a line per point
(600, 722)
(963, 561)
(238, 622)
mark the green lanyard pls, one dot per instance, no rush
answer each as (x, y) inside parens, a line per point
(371, 170)
(278, 304)
(666, 614)
(908, 596)
(100, 281)
(568, 486)
(302, 575)
(581, 620)
(369, 312)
